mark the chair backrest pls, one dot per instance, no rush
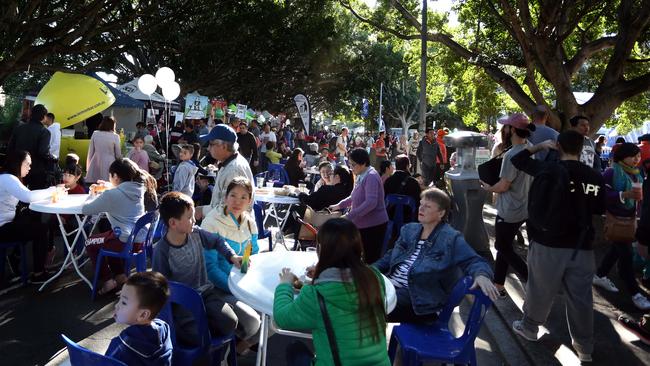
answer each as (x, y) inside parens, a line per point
(477, 312)
(191, 300)
(144, 220)
(80, 356)
(276, 172)
(260, 175)
(399, 201)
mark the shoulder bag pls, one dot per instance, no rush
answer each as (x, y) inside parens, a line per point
(330, 331)
(489, 171)
(619, 229)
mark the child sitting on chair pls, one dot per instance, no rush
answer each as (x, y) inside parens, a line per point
(179, 257)
(147, 340)
(273, 156)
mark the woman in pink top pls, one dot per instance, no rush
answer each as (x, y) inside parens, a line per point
(104, 149)
(138, 155)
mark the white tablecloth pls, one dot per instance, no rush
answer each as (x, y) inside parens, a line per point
(69, 204)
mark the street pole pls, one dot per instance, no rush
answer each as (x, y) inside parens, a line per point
(423, 69)
(381, 97)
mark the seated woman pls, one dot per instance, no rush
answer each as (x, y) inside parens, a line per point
(123, 201)
(386, 169)
(353, 294)
(294, 167)
(424, 262)
(325, 169)
(23, 224)
(237, 227)
(366, 202)
(339, 187)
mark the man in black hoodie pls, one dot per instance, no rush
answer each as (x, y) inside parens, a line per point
(34, 138)
(562, 257)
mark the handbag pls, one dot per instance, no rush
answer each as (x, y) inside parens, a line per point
(330, 331)
(316, 219)
(619, 229)
(489, 171)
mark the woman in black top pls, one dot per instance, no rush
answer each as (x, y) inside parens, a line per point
(294, 168)
(340, 188)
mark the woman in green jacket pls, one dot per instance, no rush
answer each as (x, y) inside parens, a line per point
(353, 294)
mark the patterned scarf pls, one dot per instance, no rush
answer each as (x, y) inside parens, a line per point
(624, 176)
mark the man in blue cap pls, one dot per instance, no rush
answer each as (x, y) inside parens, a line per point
(223, 147)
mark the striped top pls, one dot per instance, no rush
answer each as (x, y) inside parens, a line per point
(399, 277)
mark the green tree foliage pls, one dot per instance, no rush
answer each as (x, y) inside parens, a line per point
(540, 52)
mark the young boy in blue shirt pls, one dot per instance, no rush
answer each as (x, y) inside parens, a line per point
(179, 257)
(147, 341)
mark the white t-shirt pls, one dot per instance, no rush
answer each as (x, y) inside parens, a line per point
(55, 139)
(342, 141)
(266, 137)
(12, 191)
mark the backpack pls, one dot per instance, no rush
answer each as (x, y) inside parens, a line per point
(549, 192)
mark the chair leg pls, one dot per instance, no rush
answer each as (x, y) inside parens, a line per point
(392, 347)
(100, 256)
(232, 354)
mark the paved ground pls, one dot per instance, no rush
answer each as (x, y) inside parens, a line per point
(613, 344)
(30, 324)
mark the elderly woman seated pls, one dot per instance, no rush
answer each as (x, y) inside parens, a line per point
(425, 261)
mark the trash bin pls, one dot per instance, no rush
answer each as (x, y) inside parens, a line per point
(465, 190)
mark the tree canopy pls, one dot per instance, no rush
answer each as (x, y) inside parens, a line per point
(540, 52)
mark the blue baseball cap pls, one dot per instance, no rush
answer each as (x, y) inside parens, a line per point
(220, 132)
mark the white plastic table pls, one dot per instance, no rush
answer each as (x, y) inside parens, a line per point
(69, 204)
(257, 287)
(263, 195)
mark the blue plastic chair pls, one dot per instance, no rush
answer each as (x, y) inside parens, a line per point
(80, 356)
(435, 342)
(156, 231)
(140, 257)
(23, 258)
(278, 175)
(387, 236)
(262, 233)
(189, 299)
(399, 201)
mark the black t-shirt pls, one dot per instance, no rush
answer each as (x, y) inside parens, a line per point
(586, 182)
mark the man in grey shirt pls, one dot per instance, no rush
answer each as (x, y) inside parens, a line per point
(542, 131)
(512, 201)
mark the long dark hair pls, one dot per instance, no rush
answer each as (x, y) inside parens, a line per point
(75, 170)
(128, 171)
(340, 247)
(14, 162)
(293, 159)
(346, 177)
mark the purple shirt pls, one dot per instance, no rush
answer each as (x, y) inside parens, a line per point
(367, 201)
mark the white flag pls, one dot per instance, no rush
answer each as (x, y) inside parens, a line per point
(302, 103)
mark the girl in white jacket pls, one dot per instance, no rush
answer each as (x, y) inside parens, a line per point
(24, 225)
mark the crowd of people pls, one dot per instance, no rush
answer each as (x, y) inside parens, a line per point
(212, 183)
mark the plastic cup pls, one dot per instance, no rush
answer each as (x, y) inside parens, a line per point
(302, 187)
(260, 182)
(269, 184)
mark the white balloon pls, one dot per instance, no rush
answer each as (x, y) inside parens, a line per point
(171, 91)
(147, 84)
(164, 76)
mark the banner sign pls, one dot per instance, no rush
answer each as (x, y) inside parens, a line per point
(304, 109)
(196, 106)
(241, 111)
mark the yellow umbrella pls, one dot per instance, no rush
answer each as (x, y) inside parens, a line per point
(74, 97)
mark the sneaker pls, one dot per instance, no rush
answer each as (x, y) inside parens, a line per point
(604, 282)
(641, 302)
(584, 357)
(636, 328)
(518, 327)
